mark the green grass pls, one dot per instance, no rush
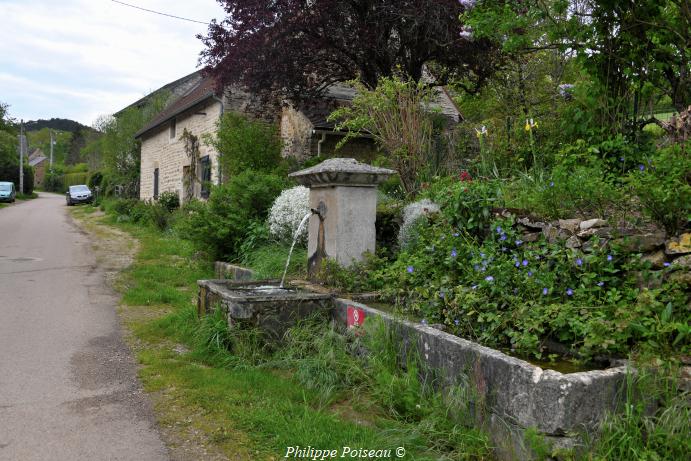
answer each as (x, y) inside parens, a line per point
(268, 261)
(252, 399)
(250, 402)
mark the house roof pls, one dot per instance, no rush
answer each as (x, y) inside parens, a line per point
(36, 160)
(177, 88)
(203, 90)
(318, 110)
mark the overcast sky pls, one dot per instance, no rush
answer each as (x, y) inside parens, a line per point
(79, 59)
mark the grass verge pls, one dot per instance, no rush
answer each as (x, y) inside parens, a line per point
(218, 404)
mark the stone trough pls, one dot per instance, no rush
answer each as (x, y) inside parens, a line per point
(515, 394)
(259, 304)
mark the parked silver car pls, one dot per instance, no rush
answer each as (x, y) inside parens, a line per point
(79, 194)
(7, 192)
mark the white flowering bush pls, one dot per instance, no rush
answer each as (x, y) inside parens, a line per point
(287, 212)
(413, 215)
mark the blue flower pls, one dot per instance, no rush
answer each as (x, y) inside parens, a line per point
(489, 278)
(609, 257)
(600, 284)
(499, 231)
(530, 273)
(519, 243)
(410, 269)
(641, 167)
(476, 267)
(621, 159)
(569, 292)
(456, 321)
(579, 262)
(474, 287)
(456, 234)
(551, 184)
(525, 262)
(453, 253)
(504, 249)
(666, 264)
(423, 321)
(517, 264)
(503, 237)
(545, 291)
(441, 294)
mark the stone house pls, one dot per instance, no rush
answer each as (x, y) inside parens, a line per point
(304, 129)
(39, 163)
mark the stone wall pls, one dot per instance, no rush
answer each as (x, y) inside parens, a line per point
(296, 133)
(169, 156)
(514, 394)
(577, 234)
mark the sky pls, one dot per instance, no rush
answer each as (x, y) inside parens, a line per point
(80, 59)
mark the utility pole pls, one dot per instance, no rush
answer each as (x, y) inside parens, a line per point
(22, 142)
(52, 142)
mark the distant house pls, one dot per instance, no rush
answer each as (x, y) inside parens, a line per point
(39, 162)
(303, 127)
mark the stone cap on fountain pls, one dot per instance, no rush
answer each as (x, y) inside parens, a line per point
(342, 172)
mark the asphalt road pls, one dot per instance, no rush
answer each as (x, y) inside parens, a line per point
(68, 386)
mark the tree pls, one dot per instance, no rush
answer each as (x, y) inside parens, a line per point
(397, 114)
(120, 151)
(9, 158)
(637, 51)
(302, 47)
(246, 144)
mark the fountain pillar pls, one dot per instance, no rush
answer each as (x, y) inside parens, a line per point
(343, 198)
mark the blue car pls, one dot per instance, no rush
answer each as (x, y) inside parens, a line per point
(7, 192)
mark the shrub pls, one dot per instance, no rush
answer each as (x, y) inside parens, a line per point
(569, 191)
(246, 144)
(9, 171)
(509, 294)
(465, 202)
(388, 226)
(397, 114)
(287, 212)
(663, 187)
(169, 200)
(414, 215)
(221, 225)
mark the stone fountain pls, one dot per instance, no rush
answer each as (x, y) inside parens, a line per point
(343, 200)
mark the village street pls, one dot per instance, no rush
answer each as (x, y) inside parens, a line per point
(68, 387)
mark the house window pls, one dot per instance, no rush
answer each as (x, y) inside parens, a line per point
(205, 164)
(156, 184)
(172, 129)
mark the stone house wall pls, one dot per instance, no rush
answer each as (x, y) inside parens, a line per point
(158, 150)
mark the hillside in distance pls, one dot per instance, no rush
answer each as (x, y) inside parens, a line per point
(61, 124)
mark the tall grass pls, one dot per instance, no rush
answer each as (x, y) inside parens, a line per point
(655, 423)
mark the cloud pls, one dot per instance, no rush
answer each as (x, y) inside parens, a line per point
(81, 58)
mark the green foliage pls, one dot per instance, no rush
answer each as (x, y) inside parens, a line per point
(221, 225)
(508, 294)
(568, 192)
(246, 144)
(120, 150)
(387, 224)
(465, 202)
(654, 423)
(663, 187)
(169, 200)
(397, 114)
